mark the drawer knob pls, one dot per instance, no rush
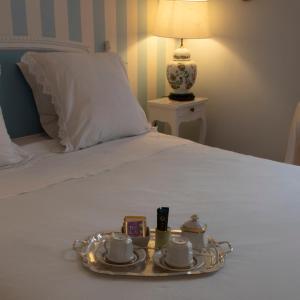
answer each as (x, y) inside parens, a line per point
(192, 109)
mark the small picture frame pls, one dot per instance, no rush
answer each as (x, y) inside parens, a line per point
(135, 226)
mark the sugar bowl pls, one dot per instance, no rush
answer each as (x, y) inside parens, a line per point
(195, 232)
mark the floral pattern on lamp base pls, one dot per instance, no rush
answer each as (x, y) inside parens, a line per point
(181, 76)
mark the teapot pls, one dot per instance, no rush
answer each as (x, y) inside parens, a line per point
(195, 232)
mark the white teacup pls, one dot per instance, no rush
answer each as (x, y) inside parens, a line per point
(119, 248)
(179, 253)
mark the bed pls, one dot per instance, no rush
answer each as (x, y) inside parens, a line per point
(58, 197)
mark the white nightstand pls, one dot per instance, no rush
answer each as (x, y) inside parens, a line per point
(176, 112)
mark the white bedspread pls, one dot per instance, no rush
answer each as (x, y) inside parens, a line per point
(58, 198)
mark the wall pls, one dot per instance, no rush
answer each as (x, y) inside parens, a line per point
(250, 71)
(125, 23)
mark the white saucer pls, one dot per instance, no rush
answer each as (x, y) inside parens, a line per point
(158, 259)
(139, 257)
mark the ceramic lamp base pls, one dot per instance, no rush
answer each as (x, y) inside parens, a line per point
(182, 97)
(181, 74)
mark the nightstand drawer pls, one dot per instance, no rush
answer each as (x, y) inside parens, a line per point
(195, 109)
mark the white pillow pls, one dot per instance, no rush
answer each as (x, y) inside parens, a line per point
(91, 95)
(10, 153)
(47, 113)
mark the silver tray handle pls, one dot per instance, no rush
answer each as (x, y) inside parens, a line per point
(83, 247)
(229, 247)
(80, 246)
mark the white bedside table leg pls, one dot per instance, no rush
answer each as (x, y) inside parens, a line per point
(174, 127)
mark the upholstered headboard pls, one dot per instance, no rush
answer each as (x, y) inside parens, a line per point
(16, 100)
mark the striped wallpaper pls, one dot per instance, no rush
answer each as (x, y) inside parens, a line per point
(125, 23)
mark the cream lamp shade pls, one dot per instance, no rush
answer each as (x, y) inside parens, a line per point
(182, 19)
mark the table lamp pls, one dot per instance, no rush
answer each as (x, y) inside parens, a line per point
(182, 19)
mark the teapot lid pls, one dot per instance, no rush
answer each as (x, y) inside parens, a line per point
(193, 225)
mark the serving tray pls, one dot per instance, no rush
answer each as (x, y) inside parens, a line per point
(213, 258)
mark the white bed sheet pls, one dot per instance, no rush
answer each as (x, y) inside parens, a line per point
(58, 198)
